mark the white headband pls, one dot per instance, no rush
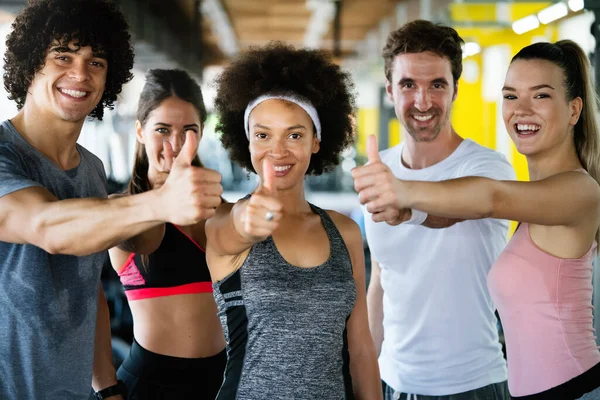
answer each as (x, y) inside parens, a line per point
(292, 97)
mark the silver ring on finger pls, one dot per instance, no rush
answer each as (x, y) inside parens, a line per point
(269, 216)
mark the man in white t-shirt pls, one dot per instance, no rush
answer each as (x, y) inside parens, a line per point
(430, 313)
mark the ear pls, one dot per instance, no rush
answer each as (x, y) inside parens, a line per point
(388, 89)
(316, 146)
(139, 131)
(576, 106)
(455, 91)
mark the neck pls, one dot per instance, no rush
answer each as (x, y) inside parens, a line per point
(419, 155)
(553, 161)
(56, 139)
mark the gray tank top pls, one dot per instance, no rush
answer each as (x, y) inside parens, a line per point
(285, 326)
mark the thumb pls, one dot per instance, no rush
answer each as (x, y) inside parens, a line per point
(372, 149)
(268, 176)
(168, 157)
(189, 149)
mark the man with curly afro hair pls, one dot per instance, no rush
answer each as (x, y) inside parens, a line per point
(67, 60)
(299, 319)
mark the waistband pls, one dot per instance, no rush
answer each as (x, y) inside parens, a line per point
(168, 369)
(148, 293)
(572, 389)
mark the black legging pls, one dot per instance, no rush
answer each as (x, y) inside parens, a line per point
(151, 376)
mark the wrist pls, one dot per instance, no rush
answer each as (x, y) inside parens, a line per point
(113, 392)
(416, 217)
(155, 205)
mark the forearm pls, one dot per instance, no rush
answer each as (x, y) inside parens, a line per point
(366, 380)
(103, 371)
(459, 199)
(375, 314)
(224, 230)
(84, 226)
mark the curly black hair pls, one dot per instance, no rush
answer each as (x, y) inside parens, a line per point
(279, 68)
(96, 23)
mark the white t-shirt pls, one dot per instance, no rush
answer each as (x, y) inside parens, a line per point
(440, 331)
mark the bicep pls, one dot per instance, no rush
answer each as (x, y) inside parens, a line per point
(18, 211)
(564, 199)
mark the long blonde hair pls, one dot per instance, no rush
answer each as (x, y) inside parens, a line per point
(571, 58)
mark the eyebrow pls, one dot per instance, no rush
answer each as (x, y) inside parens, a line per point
(537, 87)
(169, 125)
(436, 80)
(67, 49)
(291, 128)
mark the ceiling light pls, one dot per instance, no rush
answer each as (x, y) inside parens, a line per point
(553, 12)
(576, 5)
(525, 24)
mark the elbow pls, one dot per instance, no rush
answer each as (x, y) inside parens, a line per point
(49, 241)
(492, 201)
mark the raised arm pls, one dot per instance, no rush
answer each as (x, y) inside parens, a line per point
(235, 228)
(567, 199)
(83, 226)
(363, 359)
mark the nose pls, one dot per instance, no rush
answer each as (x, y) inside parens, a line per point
(278, 149)
(79, 71)
(522, 107)
(423, 100)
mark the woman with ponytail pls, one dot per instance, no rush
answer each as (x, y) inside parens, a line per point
(542, 281)
(179, 347)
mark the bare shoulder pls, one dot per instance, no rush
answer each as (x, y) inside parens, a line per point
(346, 225)
(582, 180)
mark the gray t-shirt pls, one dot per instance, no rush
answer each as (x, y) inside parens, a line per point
(48, 303)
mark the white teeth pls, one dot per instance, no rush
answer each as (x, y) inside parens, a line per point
(527, 127)
(73, 93)
(282, 168)
(423, 117)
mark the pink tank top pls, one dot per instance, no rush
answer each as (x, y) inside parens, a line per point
(545, 304)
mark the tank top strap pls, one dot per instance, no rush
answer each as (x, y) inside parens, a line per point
(338, 246)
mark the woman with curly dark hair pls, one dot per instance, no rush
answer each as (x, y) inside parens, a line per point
(288, 277)
(178, 350)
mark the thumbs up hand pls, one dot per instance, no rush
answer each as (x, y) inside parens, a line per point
(263, 211)
(379, 189)
(189, 194)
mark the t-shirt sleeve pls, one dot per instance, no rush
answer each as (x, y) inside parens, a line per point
(13, 174)
(490, 164)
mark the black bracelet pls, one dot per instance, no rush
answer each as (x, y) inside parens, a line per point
(114, 390)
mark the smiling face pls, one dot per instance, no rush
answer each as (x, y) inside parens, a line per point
(168, 122)
(535, 109)
(282, 132)
(422, 90)
(70, 84)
